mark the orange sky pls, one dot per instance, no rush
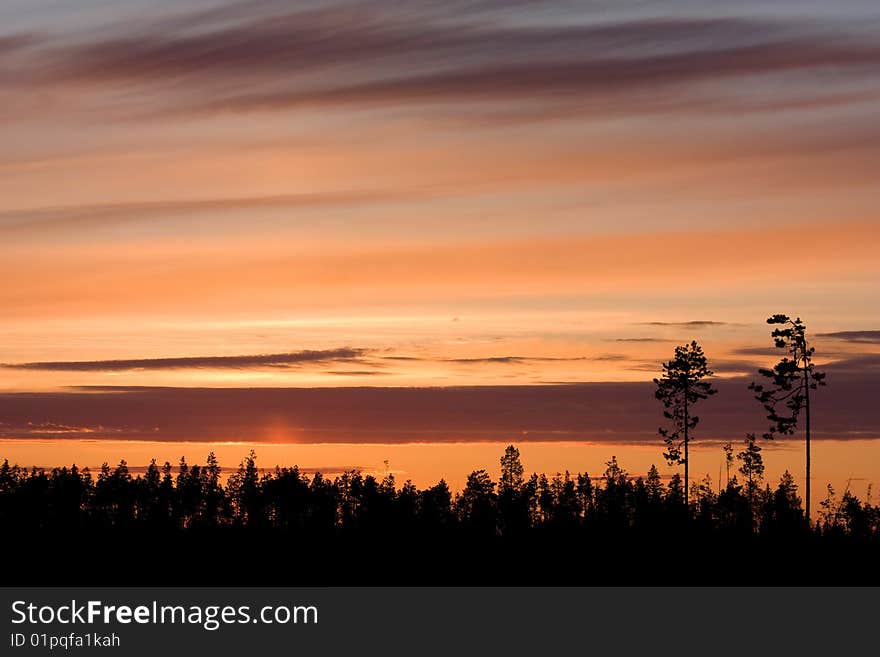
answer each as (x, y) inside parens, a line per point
(458, 196)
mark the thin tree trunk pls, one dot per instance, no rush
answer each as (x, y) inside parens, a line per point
(686, 460)
(751, 493)
(807, 409)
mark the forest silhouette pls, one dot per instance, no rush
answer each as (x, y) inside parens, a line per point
(183, 524)
(195, 524)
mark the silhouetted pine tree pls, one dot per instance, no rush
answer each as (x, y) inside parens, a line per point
(680, 387)
(790, 383)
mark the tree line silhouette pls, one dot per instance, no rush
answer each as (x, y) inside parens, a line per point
(546, 528)
(358, 527)
(193, 497)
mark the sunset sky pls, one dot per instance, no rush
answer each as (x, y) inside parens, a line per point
(268, 195)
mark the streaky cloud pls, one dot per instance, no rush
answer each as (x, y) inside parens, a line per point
(278, 60)
(512, 359)
(356, 372)
(572, 79)
(506, 360)
(303, 41)
(637, 340)
(861, 337)
(81, 216)
(609, 412)
(697, 323)
(289, 359)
